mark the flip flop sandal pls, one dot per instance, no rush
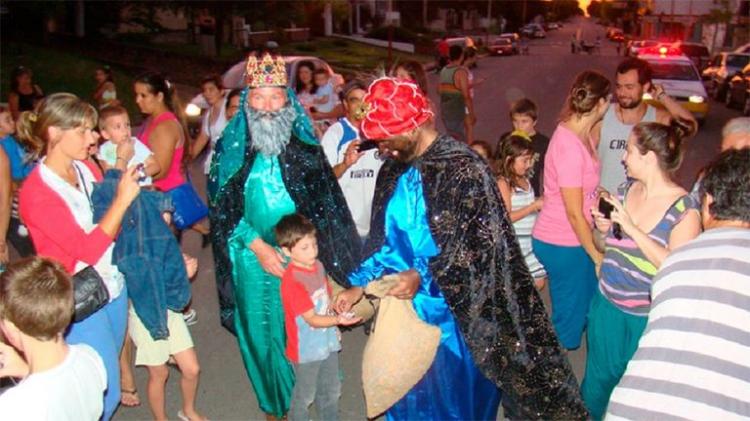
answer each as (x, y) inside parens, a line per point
(129, 398)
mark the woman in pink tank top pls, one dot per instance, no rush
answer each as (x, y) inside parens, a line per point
(164, 134)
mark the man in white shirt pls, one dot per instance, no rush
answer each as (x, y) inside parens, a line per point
(355, 165)
(59, 381)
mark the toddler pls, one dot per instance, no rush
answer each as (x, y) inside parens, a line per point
(312, 338)
(325, 98)
(114, 125)
(514, 166)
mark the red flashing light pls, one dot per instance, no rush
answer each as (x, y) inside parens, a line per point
(660, 50)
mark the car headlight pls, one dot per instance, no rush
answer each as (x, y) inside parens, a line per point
(192, 110)
(647, 96)
(696, 99)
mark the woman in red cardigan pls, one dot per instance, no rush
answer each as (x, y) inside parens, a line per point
(55, 205)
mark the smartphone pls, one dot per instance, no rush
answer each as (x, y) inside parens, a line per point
(605, 208)
(367, 145)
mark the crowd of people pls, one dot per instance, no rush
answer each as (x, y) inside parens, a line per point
(317, 190)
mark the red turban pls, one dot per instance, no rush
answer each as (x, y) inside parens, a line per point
(393, 106)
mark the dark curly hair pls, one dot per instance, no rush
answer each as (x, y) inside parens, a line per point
(727, 180)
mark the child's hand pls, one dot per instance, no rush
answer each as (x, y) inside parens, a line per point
(126, 149)
(538, 203)
(347, 319)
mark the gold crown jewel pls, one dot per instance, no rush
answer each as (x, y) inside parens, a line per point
(267, 72)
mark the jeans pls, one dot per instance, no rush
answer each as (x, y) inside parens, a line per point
(105, 332)
(317, 382)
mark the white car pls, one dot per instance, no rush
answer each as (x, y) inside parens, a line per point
(679, 77)
(235, 76)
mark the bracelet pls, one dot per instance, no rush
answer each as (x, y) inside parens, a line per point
(659, 97)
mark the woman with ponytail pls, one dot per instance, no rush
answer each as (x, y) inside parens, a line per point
(165, 132)
(651, 216)
(561, 237)
(55, 205)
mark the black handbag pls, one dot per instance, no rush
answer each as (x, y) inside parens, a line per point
(89, 292)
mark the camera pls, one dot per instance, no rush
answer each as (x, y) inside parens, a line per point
(367, 145)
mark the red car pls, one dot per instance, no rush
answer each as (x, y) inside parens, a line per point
(501, 47)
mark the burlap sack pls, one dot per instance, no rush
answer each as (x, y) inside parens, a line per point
(398, 353)
(364, 308)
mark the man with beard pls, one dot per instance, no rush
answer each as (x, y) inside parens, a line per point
(633, 79)
(439, 224)
(268, 165)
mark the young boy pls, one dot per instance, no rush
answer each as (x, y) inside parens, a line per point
(523, 116)
(114, 125)
(60, 381)
(312, 338)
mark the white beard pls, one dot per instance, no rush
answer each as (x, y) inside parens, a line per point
(270, 131)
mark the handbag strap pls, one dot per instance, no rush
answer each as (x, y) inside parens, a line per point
(85, 188)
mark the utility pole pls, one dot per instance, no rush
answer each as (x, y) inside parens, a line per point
(523, 15)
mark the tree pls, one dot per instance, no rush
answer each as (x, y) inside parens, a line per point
(717, 17)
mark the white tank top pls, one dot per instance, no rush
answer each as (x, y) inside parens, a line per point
(614, 137)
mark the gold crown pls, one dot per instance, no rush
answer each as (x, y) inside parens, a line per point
(268, 72)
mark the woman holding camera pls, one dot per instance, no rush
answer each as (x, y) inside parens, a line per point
(651, 216)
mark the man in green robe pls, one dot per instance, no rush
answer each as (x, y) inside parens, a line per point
(268, 164)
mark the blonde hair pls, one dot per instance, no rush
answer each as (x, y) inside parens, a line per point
(61, 110)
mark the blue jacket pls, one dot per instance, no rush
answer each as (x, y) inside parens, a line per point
(147, 253)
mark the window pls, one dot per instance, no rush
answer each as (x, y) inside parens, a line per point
(674, 71)
(736, 60)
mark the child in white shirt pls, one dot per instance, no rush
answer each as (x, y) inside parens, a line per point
(59, 381)
(114, 125)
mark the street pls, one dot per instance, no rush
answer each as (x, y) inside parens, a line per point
(544, 76)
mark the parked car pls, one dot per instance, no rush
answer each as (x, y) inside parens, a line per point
(738, 90)
(502, 47)
(553, 26)
(533, 30)
(235, 76)
(514, 39)
(615, 33)
(696, 52)
(720, 69)
(679, 77)
(635, 45)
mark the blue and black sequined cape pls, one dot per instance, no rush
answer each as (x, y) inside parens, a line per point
(485, 281)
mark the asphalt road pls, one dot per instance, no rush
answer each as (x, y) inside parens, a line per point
(544, 76)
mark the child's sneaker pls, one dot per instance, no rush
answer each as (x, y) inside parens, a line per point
(191, 317)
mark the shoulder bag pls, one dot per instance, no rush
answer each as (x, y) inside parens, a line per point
(89, 292)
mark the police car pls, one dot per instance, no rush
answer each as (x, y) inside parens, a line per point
(679, 77)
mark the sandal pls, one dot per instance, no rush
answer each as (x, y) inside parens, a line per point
(129, 398)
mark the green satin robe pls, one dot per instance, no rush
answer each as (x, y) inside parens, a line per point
(259, 316)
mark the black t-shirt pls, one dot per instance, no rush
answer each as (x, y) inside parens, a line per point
(540, 143)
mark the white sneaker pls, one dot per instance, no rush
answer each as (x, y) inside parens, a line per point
(191, 317)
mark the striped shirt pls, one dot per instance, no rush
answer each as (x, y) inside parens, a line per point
(626, 273)
(693, 361)
(521, 198)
